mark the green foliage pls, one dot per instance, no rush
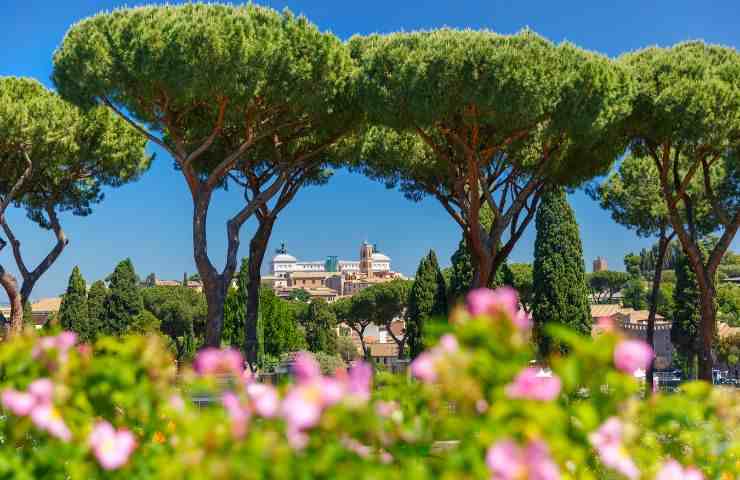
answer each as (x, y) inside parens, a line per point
(427, 299)
(605, 284)
(728, 349)
(346, 348)
(666, 300)
(519, 276)
(181, 312)
(632, 264)
(96, 297)
(281, 330)
(74, 153)
(461, 274)
(73, 313)
(319, 323)
(686, 318)
(299, 295)
(131, 382)
(124, 303)
(560, 294)
(728, 303)
(635, 294)
(235, 308)
(330, 363)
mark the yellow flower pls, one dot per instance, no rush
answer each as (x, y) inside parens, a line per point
(158, 437)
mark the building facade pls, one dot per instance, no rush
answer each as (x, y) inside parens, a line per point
(371, 262)
(600, 264)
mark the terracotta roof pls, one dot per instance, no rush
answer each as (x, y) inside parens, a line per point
(383, 349)
(598, 311)
(724, 330)
(167, 283)
(640, 316)
(47, 305)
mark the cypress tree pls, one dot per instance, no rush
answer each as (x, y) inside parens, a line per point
(73, 313)
(427, 299)
(686, 316)
(124, 303)
(560, 293)
(96, 309)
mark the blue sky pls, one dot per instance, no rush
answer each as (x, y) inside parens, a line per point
(150, 221)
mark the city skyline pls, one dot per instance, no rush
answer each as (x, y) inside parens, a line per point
(150, 221)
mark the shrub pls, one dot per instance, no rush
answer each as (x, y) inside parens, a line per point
(472, 408)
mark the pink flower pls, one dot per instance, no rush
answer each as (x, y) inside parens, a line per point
(297, 438)
(631, 355)
(211, 361)
(332, 391)
(360, 381)
(672, 470)
(264, 398)
(48, 418)
(20, 403)
(111, 447)
(605, 324)
(238, 414)
(302, 406)
(607, 441)
(508, 461)
(176, 402)
(61, 343)
(484, 301)
(423, 367)
(305, 367)
(448, 343)
(528, 385)
(523, 320)
(42, 390)
(386, 409)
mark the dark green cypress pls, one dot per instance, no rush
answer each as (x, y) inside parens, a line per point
(559, 274)
(96, 309)
(73, 314)
(427, 299)
(124, 303)
(686, 316)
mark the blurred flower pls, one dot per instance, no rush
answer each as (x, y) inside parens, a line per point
(482, 301)
(360, 380)
(448, 343)
(158, 437)
(522, 320)
(332, 390)
(607, 441)
(111, 447)
(297, 438)
(46, 417)
(20, 403)
(176, 402)
(423, 367)
(631, 355)
(264, 398)
(386, 409)
(672, 470)
(305, 367)
(42, 390)
(605, 324)
(528, 384)
(508, 461)
(302, 406)
(210, 361)
(481, 406)
(238, 414)
(61, 343)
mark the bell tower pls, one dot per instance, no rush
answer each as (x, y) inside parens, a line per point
(366, 259)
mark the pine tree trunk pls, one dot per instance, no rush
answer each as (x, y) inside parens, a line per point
(215, 294)
(10, 285)
(257, 248)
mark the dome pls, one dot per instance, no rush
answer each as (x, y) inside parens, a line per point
(284, 258)
(379, 257)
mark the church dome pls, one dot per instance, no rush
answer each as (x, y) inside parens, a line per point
(284, 258)
(379, 257)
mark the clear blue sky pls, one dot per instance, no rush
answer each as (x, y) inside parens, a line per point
(149, 221)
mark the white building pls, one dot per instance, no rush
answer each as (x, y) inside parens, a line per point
(284, 263)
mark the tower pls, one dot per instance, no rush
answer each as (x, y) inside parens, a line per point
(366, 259)
(600, 264)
